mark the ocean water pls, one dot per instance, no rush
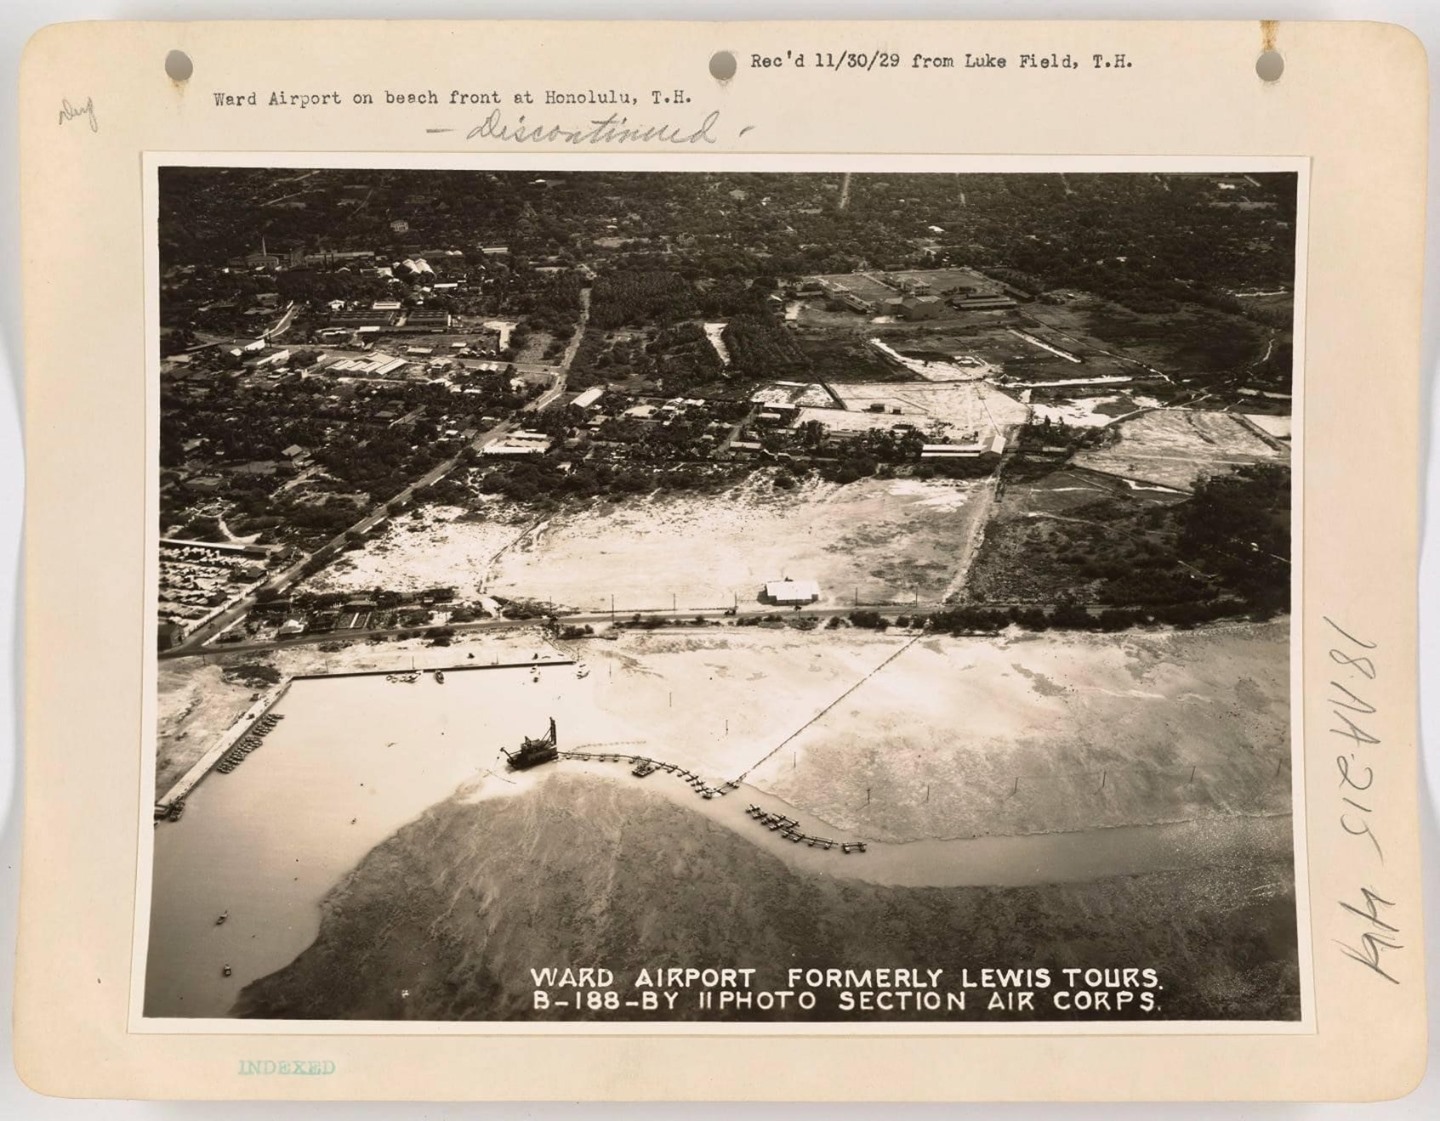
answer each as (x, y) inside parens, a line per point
(352, 761)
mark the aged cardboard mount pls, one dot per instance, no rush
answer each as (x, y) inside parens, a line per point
(677, 575)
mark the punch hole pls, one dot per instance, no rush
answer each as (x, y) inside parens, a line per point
(1269, 66)
(178, 66)
(722, 66)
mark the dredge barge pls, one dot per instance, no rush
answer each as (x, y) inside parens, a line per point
(534, 751)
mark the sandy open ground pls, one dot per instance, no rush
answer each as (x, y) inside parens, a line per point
(434, 546)
(873, 541)
(1176, 447)
(961, 737)
(896, 736)
(1038, 733)
(881, 541)
(964, 407)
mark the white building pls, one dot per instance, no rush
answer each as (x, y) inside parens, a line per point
(792, 593)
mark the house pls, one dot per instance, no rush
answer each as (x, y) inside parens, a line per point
(589, 397)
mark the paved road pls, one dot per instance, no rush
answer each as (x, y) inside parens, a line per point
(562, 372)
(679, 616)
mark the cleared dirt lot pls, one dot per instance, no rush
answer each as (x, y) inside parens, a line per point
(1176, 447)
(875, 540)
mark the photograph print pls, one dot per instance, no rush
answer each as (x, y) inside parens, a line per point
(770, 597)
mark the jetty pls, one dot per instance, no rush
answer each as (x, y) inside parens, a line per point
(258, 719)
(233, 735)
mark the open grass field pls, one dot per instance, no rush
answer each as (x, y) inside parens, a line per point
(994, 344)
(845, 354)
(1176, 447)
(1194, 342)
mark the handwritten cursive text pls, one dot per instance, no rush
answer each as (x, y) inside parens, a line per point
(614, 129)
(69, 112)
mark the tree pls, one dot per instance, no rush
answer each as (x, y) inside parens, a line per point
(1237, 527)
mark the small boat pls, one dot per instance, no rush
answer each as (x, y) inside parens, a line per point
(226, 971)
(439, 677)
(223, 916)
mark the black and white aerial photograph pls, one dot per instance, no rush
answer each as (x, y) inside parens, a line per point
(770, 596)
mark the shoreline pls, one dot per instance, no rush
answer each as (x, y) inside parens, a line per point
(994, 860)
